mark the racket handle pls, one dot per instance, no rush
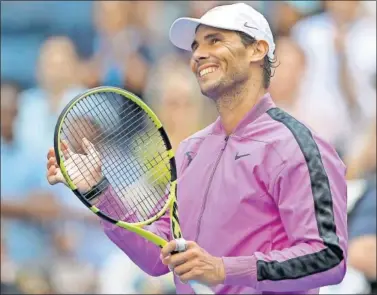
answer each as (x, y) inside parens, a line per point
(200, 288)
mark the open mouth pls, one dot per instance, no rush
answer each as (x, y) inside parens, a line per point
(207, 71)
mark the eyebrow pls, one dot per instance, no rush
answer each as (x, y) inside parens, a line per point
(207, 37)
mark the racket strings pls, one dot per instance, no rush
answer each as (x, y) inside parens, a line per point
(155, 131)
(155, 187)
(123, 180)
(140, 202)
(133, 154)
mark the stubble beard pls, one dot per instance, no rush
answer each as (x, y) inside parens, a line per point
(226, 93)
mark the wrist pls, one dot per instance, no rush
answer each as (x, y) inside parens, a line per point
(240, 271)
(96, 190)
(220, 270)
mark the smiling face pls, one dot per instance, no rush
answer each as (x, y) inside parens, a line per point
(220, 61)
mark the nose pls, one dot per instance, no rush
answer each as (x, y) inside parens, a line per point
(200, 53)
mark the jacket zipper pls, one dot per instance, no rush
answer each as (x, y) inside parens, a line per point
(208, 187)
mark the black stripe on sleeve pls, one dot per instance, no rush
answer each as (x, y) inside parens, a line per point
(332, 255)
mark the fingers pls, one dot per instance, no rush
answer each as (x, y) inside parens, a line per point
(172, 246)
(184, 268)
(175, 259)
(64, 145)
(67, 153)
(89, 148)
(168, 248)
(52, 175)
(179, 258)
(192, 274)
(51, 153)
(52, 162)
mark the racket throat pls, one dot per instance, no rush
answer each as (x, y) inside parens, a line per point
(207, 190)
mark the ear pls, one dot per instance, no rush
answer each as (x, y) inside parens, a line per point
(260, 50)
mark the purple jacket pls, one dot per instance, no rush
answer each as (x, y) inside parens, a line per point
(270, 199)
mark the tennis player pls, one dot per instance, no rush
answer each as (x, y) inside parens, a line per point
(262, 199)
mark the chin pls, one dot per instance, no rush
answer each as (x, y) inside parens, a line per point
(211, 90)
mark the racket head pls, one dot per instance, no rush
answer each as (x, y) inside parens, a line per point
(85, 109)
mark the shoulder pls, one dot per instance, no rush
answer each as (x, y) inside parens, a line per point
(295, 142)
(190, 147)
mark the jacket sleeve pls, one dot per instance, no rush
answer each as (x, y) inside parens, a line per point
(142, 252)
(310, 195)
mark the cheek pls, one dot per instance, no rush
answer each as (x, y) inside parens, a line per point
(236, 60)
(193, 66)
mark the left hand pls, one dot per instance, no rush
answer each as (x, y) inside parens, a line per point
(194, 264)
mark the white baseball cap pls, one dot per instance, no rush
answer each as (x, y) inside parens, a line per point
(236, 17)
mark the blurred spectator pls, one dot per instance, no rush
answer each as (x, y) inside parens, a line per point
(144, 17)
(8, 272)
(361, 161)
(59, 81)
(363, 235)
(68, 274)
(9, 110)
(122, 276)
(337, 80)
(117, 60)
(198, 8)
(286, 84)
(173, 93)
(25, 237)
(285, 14)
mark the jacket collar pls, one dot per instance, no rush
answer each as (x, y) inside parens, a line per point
(262, 106)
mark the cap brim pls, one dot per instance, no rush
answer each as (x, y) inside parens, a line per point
(182, 32)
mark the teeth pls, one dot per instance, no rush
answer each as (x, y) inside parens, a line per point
(207, 71)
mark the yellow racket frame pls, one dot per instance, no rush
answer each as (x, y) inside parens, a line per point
(171, 203)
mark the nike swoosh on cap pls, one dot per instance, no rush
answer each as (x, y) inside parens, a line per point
(247, 26)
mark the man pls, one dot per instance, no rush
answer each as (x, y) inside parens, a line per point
(262, 199)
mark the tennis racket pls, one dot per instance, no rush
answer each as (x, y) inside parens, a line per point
(116, 157)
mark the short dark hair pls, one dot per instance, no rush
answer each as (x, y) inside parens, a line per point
(268, 63)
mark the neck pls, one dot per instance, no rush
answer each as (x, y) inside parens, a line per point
(234, 105)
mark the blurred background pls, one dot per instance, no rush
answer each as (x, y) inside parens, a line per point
(53, 50)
